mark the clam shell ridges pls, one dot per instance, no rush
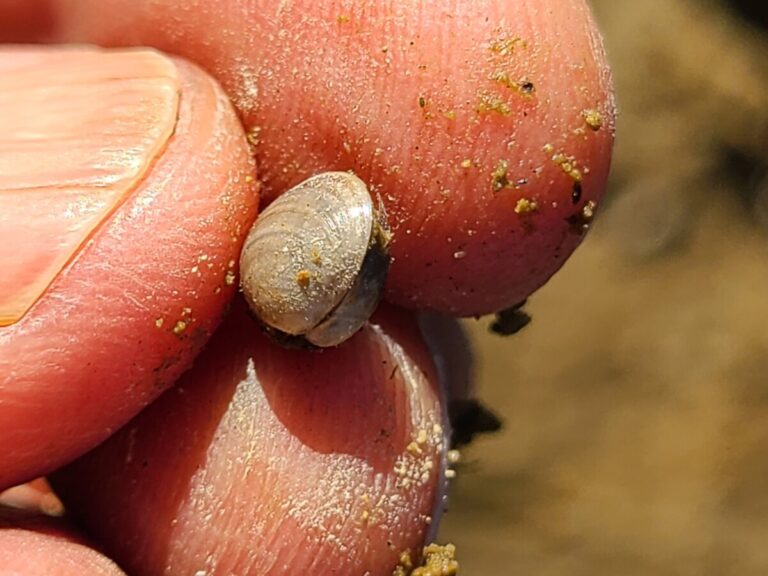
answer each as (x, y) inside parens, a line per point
(306, 250)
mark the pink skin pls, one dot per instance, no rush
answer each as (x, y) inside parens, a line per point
(89, 354)
(31, 545)
(81, 127)
(459, 247)
(281, 462)
(314, 76)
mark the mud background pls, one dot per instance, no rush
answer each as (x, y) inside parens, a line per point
(635, 405)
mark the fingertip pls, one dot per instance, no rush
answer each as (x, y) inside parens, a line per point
(264, 460)
(486, 126)
(35, 545)
(494, 198)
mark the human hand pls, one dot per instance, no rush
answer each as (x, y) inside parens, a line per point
(476, 124)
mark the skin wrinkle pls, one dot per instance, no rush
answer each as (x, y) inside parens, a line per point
(259, 481)
(31, 543)
(206, 498)
(89, 181)
(345, 474)
(313, 75)
(87, 344)
(352, 137)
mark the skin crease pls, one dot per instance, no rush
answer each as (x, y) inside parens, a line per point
(32, 545)
(262, 479)
(449, 211)
(102, 151)
(301, 74)
(89, 354)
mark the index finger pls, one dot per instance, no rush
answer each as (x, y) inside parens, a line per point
(486, 126)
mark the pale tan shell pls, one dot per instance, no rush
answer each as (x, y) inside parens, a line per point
(315, 261)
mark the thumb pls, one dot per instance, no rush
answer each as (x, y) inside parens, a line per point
(123, 201)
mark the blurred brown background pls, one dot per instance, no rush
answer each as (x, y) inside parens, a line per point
(635, 405)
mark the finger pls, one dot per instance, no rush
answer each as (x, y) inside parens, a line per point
(35, 496)
(118, 254)
(486, 126)
(22, 21)
(269, 461)
(451, 350)
(31, 545)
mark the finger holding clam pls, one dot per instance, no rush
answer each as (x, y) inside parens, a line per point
(314, 265)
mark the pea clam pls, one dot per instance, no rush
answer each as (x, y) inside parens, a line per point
(313, 266)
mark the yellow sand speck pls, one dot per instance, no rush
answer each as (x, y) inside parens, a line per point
(569, 165)
(593, 118)
(437, 561)
(505, 45)
(526, 206)
(159, 322)
(253, 137)
(466, 163)
(412, 472)
(414, 448)
(488, 103)
(180, 327)
(303, 277)
(588, 212)
(499, 176)
(404, 564)
(229, 278)
(413, 468)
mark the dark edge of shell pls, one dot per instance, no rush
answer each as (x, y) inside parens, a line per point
(366, 292)
(369, 283)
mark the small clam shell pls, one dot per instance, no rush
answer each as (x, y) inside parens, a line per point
(314, 263)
